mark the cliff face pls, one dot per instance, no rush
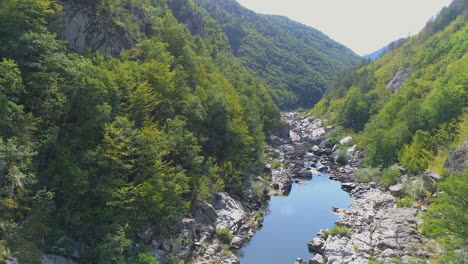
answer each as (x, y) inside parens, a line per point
(89, 26)
(85, 29)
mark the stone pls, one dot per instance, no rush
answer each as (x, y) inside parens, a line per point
(318, 259)
(204, 213)
(328, 151)
(348, 186)
(322, 169)
(230, 211)
(237, 242)
(316, 245)
(230, 261)
(350, 151)
(396, 190)
(430, 178)
(305, 174)
(309, 156)
(458, 159)
(54, 259)
(346, 140)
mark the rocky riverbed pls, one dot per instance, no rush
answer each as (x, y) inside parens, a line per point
(380, 230)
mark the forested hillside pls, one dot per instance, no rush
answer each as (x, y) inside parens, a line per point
(96, 147)
(410, 107)
(295, 60)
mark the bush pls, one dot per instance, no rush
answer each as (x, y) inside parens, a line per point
(404, 202)
(276, 164)
(224, 235)
(335, 135)
(259, 217)
(259, 189)
(390, 176)
(338, 230)
(342, 157)
(367, 174)
(415, 189)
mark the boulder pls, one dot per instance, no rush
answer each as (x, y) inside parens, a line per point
(458, 159)
(230, 211)
(430, 178)
(316, 245)
(348, 186)
(346, 140)
(318, 259)
(322, 168)
(309, 156)
(328, 151)
(237, 242)
(230, 261)
(395, 190)
(204, 213)
(305, 174)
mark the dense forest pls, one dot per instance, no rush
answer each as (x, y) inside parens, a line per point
(410, 107)
(297, 61)
(94, 147)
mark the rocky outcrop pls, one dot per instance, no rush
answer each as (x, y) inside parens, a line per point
(458, 159)
(86, 28)
(379, 228)
(397, 80)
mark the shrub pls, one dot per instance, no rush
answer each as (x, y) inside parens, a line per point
(415, 189)
(336, 134)
(338, 230)
(390, 176)
(367, 174)
(342, 157)
(224, 235)
(259, 217)
(259, 189)
(404, 202)
(276, 164)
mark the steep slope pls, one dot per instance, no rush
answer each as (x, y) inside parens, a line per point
(410, 107)
(296, 60)
(101, 154)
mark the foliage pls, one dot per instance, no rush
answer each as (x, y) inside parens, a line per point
(106, 146)
(224, 235)
(415, 190)
(410, 125)
(367, 174)
(259, 217)
(338, 231)
(276, 164)
(260, 189)
(295, 60)
(404, 202)
(448, 217)
(390, 176)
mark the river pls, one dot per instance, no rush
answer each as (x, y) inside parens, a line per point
(291, 221)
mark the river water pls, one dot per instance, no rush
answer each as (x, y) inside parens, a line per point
(291, 221)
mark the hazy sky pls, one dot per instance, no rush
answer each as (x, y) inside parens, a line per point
(362, 25)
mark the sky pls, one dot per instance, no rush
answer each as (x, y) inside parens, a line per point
(362, 25)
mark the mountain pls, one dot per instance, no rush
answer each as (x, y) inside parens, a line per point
(379, 53)
(114, 120)
(297, 61)
(409, 108)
